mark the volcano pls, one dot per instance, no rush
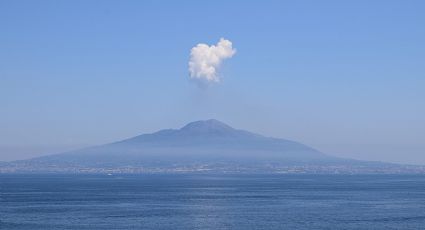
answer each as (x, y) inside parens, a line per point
(200, 145)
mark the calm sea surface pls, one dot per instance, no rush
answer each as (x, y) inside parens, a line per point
(212, 202)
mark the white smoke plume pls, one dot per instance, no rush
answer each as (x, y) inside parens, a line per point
(205, 60)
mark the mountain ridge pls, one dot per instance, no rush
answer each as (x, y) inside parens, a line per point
(204, 138)
(202, 145)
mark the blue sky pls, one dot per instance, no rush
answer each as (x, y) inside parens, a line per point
(346, 77)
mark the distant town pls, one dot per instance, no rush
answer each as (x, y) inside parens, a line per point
(214, 168)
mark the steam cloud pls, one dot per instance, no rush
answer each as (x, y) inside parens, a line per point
(205, 60)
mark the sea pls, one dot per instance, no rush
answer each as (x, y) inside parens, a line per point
(212, 201)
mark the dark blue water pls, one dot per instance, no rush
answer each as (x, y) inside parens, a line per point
(212, 202)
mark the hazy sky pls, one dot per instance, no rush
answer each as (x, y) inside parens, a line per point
(346, 77)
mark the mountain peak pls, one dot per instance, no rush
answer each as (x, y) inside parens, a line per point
(208, 126)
